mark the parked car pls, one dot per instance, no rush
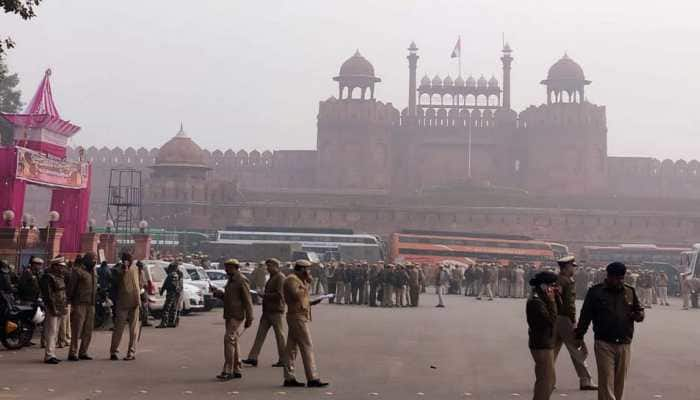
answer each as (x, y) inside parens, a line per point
(217, 277)
(192, 298)
(198, 277)
(154, 271)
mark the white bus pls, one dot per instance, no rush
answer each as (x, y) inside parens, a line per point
(329, 246)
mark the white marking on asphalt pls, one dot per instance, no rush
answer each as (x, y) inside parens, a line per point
(281, 393)
(51, 390)
(187, 392)
(233, 393)
(658, 396)
(329, 393)
(374, 394)
(142, 391)
(420, 394)
(98, 391)
(563, 394)
(7, 389)
(515, 394)
(467, 394)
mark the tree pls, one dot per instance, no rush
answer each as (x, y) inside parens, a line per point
(23, 8)
(10, 99)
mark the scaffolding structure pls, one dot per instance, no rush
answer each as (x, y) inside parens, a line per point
(124, 200)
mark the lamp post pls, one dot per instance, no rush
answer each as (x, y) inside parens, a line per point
(109, 225)
(8, 216)
(54, 217)
(143, 225)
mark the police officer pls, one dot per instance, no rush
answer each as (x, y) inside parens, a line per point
(272, 315)
(53, 292)
(173, 286)
(566, 322)
(28, 289)
(296, 295)
(541, 310)
(82, 294)
(613, 307)
(238, 311)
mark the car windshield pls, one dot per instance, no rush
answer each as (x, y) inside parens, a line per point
(194, 275)
(216, 275)
(157, 273)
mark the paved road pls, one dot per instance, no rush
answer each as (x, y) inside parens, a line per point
(469, 350)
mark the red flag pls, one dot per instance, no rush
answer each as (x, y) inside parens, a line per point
(457, 51)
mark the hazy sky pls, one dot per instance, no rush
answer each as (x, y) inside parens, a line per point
(249, 74)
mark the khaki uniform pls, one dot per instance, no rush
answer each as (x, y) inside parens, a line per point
(82, 292)
(414, 286)
(296, 295)
(272, 315)
(566, 322)
(127, 285)
(541, 319)
(238, 308)
(53, 292)
(613, 312)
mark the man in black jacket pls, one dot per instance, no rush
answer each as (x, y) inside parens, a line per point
(613, 307)
(541, 311)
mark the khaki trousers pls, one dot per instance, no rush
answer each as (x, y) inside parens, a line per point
(663, 295)
(414, 292)
(267, 321)
(50, 335)
(398, 294)
(64, 328)
(613, 361)
(565, 336)
(486, 288)
(386, 296)
(439, 290)
(299, 338)
(82, 321)
(232, 362)
(339, 292)
(122, 317)
(545, 377)
(348, 293)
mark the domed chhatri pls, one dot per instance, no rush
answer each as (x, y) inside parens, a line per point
(358, 66)
(459, 81)
(180, 151)
(566, 69)
(565, 82)
(356, 73)
(425, 81)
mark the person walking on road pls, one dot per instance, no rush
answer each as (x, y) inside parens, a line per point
(613, 308)
(53, 292)
(541, 311)
(296, 295)
(273, 308)
(566, 322)
(173, 286)
(238, 311)
(127, 287)
(82, 294)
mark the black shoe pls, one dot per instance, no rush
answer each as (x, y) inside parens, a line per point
(278, 364)
(590, 386)
(236, 375)
(224, 376)
(250, 361)
(440, 306)
(73, 358)
(85, 357)
(129, 358)
(293, 383)
(316, 383)
(52, 360)
(114, 357)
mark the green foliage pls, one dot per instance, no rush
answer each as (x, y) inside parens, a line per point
(10, 100)
(23, 8)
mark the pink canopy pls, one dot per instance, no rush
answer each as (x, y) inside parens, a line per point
(42, 112)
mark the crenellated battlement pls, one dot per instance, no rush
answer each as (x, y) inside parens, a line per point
(563, 114)
(366, 111)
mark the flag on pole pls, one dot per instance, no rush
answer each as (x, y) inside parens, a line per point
(457, 51)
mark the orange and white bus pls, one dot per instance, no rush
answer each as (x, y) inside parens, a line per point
(632, 254)
(429, 247)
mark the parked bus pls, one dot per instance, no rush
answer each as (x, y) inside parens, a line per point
(439, 247)
(328, 246)
(631, 254)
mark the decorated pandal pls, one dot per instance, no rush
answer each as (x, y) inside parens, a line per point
(37, 156)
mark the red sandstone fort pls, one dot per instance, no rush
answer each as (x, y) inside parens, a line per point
(456, 158)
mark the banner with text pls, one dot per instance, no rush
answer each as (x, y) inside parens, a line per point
(38, 168)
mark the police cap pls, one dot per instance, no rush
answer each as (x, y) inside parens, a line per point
(616, 269)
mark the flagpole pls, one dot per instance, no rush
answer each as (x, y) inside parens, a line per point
(459, 71)
(469, 149)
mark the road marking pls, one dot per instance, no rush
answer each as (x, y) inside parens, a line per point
(187, 392)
